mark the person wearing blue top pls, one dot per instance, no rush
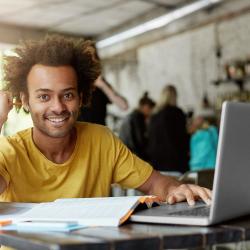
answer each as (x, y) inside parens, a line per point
(203, 145)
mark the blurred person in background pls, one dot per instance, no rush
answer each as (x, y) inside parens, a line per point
(168, 142)
(133, 131)
(203, 141)
(102, 95)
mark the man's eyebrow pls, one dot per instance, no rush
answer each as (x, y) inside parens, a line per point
(43, 90)
(68, 89)
(49, 90)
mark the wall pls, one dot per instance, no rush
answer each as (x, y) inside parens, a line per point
(187, 60)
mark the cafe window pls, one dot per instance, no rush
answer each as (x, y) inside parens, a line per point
(16, 120)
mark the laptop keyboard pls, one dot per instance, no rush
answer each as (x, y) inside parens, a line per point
(196, 211)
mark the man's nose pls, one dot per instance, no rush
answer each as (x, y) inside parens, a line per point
(58, 105)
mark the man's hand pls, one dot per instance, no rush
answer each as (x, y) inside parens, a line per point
(172, 191)
(6, 104)
(190, 193)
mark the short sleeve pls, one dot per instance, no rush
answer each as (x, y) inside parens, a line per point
(129, 170)
(3, 170)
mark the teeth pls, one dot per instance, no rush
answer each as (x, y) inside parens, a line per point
(56, 119)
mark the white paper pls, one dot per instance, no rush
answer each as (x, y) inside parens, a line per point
(86, 211)
(12, 210)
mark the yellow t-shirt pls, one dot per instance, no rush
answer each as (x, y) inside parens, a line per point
(99, 159)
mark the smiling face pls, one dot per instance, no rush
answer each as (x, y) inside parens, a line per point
(52, 100)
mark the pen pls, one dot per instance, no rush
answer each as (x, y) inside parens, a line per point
(5, 222)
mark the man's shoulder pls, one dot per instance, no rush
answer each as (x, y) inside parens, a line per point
(22, 134)
(92, 129)
(91, 135)
(15, 140)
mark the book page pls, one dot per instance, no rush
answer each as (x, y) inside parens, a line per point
(11, 210)
(88, 211)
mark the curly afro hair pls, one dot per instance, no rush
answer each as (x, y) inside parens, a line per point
(53, 50)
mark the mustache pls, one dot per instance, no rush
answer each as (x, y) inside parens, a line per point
(61, 114)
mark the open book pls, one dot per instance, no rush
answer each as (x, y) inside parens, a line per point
(109, 211)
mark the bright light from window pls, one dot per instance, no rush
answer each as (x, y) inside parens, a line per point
(16, 121)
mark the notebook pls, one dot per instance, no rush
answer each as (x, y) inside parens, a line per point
(68, 214)
(230, 195)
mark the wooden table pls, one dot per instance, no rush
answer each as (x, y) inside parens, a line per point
(132, 236)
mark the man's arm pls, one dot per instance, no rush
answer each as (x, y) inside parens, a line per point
(3, 184)
(171, 190)
(5, 106)
(115, 98)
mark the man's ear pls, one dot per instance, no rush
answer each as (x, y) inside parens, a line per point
(24, 100)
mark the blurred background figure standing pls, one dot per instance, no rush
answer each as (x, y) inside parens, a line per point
(168, 143)
(102, 95)
(133, 130)
(204, 140)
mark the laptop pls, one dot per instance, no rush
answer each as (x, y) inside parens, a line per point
(230, 195)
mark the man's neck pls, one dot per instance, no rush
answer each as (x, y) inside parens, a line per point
(57, 150)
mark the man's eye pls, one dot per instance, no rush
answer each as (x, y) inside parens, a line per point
(68, 96)
(43, 97)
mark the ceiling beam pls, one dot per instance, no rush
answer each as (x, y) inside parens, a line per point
(227, 10)
(163, 5)
(157, 22)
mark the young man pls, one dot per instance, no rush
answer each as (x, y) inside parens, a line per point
(60, 157)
